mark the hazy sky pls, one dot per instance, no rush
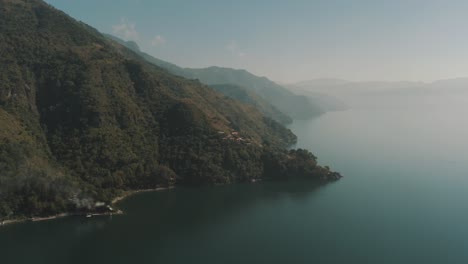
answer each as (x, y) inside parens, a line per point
(288, 41)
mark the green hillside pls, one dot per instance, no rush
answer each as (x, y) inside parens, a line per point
(82, 120)
(296, 106)
(292, 105)
(245, 96)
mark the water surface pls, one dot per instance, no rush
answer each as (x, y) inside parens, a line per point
(403, 200)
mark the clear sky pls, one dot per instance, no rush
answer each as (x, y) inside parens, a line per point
(294, 40)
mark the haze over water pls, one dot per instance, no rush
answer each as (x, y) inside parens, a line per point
(403, 200)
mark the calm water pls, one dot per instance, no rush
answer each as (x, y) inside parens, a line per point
(403, 200)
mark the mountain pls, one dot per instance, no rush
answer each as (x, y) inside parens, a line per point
(295, 106)
(321, 82)
(82, 119)
(324, 101)
(449, 86)
(347, 88)
(398, 94)
(338, 87)
(452, 83)
(132, 45)
(244, 95)
(230, 90)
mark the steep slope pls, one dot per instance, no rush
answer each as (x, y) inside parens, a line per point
(81, 120)
(243, 95)
(172, 68)
(326, 102)
(232, 91)
(295, 106)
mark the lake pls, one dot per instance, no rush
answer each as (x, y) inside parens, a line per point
(403, 200)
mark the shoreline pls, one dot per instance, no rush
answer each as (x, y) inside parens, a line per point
(53, 217)
(62, 215)
(130, 193)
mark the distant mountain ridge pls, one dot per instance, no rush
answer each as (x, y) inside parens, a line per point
(244, 95)
(320, 82)
(339, 87)
(293, 105)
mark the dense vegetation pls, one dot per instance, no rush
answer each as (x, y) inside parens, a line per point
(273, 95)
(82, 120)
(245, 96)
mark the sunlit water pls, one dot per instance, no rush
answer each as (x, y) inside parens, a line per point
(404, 199)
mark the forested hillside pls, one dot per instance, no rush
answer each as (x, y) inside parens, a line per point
(82, 120)
(290, 104)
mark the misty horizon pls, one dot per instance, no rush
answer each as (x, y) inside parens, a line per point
(419, 41)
